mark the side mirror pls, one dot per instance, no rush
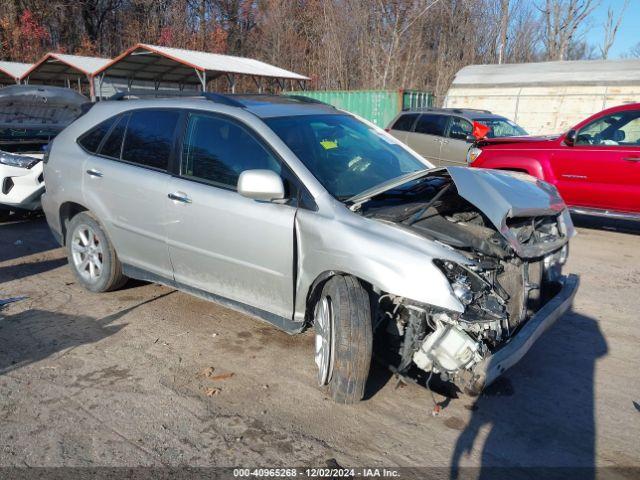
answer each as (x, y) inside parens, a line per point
(264, 185)
(470, 139)
(570, 138)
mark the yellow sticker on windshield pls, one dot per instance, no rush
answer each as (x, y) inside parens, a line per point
(329, 144)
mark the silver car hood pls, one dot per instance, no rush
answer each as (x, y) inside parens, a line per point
(502, 195)
(499, 195)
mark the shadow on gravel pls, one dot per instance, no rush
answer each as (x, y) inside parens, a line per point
(34, 335)
(541, 414)
(622, 226)
(15, 272)
(25, 237)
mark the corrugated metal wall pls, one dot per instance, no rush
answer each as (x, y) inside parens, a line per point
(543, 109)
(377, 106)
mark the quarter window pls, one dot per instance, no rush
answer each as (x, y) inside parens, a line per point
(149, 137)
(432, 124)
(112, 146)
(218, 150)
(91, 140)
(405, 122)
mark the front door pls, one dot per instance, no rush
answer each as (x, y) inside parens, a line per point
(455, 146)
(219, 241)
(427, 136)
(602, 169)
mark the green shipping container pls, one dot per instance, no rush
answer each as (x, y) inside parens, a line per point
(377, 106)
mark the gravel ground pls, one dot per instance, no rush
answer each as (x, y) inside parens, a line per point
(149, 376)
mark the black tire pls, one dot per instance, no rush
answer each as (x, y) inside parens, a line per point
(351, 338)
(110, 277)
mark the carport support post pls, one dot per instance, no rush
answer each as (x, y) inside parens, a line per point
(232, 82)
(100, 80)
(202, 76)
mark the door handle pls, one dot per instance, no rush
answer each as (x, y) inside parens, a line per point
(95, 173)
(632, 159)
(445, 141)
(179, 197)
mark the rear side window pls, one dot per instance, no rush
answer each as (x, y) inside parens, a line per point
(432, 124)
(91, 140)
(218, 150)
(405, 122)
(149, 137)
(112, 146)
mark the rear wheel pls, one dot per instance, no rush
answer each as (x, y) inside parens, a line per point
(343, 341)
(91, 255)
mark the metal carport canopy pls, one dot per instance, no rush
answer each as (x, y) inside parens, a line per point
(159, 64)
(60, 68)
(11, 72)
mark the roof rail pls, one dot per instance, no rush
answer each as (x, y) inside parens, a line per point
(150, 93)
(443, 109)
(302, 98)
(222, 99)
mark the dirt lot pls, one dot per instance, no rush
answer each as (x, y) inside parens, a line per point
(124, 378)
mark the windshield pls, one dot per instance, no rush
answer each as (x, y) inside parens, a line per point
(501, 127)
(346, 155)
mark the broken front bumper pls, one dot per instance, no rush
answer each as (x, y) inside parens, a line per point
(485, 372)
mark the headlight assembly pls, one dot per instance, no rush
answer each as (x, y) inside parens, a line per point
(459, 278)
(17, 160)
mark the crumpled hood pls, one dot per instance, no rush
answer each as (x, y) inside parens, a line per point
(501, 195)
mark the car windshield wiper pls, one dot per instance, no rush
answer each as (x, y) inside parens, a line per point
(357, 200)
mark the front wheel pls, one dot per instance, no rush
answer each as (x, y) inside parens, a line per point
(343, 339)
(92, 256)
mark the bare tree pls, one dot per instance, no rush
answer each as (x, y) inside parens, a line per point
(504, 27)
(611, 27)
(562, 18)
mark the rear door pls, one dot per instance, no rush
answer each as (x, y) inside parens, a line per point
(427, 136)
(602, 169)
(403, 125)
(126, 183)
(219, 241)
(455, 146)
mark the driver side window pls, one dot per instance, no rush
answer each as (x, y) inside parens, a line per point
(621, 128)
(217, 150)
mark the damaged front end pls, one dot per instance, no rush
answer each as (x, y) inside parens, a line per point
(514, 252)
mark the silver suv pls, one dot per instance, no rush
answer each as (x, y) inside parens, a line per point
(300, 214)
(444, 135)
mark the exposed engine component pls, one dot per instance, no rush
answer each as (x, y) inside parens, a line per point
(448, 349)
(498, 289)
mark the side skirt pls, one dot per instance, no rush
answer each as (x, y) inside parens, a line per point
(285, 324)
(605, 213)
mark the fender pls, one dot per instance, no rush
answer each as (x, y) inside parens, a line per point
(521, 163)
(390, 259)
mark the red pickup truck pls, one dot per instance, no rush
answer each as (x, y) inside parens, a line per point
(595, 165)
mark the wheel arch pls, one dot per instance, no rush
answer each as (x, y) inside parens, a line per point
(315, 289)
(67, 211)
